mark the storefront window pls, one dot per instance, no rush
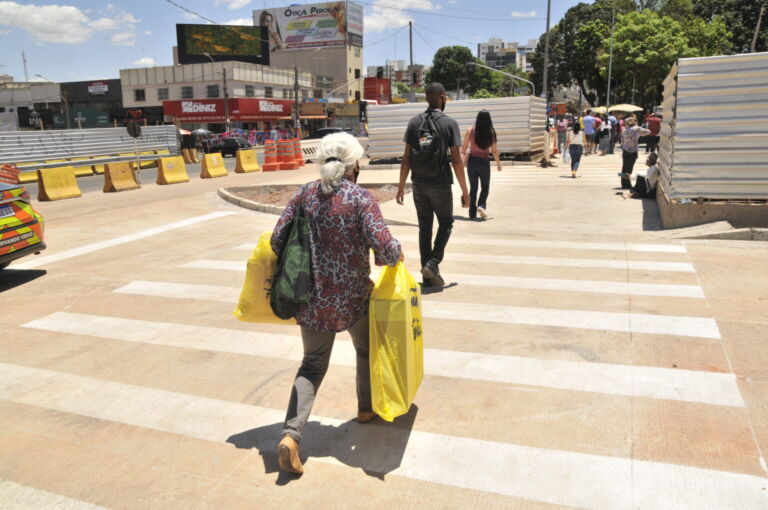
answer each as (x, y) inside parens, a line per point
(249, 91)
(162, 94)
(213, 91)
(187, 93)
(268, 92)
(139, 95)
(317, 93)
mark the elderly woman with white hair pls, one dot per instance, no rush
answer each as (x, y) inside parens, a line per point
(345, 224)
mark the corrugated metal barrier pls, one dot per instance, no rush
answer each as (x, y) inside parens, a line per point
(31, 149)
(519, 123)
(714, 136)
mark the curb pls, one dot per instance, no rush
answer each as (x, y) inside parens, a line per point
(276, 209)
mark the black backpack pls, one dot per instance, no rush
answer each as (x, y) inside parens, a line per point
(428, 154)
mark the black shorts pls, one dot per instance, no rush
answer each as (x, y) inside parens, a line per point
(592, 138)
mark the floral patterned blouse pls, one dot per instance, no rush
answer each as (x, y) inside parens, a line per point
(343, 227)
(630, 136)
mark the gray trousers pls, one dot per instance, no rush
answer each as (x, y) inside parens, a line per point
(314, 365)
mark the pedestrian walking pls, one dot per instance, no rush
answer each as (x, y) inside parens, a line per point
(614, 132)
(604, 135)
(479, 142)
(576, 148)
(562, 131)
(589, 132)
(629, 140)
(345, 223)
(653, 123)
(432, 143)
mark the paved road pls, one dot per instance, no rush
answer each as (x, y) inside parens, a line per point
(582, 360)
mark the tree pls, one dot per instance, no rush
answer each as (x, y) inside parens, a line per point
(740, 17)
(504, 86)
(449, 67)
(402, 88)
(645, 47)
(483, 94)
(708, 38)
(679, 10)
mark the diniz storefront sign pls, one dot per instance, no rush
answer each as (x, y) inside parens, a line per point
(212, 110)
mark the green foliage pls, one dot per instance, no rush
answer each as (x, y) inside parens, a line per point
(740, 18)
(504, 86)
(483, 94)
(679, 10)
(449, 67)
(645, 47)
(402, 88)
(708, 38)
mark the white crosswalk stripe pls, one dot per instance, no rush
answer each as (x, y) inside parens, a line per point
(554, 245)
(629, 380)
(580, 319)
(15, 496)
(538, 474)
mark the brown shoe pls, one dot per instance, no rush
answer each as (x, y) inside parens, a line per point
(288, 452)
(365, 416)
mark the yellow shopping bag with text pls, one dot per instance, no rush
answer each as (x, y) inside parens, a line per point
(397, 346)
(253, 305)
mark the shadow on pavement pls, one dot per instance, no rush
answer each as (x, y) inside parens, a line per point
(10, 278)
(651, 215)
(377, 447)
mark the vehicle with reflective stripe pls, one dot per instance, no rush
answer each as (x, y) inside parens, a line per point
(21, 227)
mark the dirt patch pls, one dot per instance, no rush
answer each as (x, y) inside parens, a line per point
(280, 194)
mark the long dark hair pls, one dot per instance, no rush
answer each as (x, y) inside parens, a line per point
(485, 135)
(576, 126)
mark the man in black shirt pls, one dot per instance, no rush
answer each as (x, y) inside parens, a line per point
(432, 193)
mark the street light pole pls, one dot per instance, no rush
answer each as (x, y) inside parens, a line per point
(226, 94)
(546, 53)
(533, 89)
(610, 58)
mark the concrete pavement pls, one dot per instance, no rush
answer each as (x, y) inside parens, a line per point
(582, 360)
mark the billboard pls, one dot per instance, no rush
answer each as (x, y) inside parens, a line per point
(222, 43)
(98, 88)
(312, 25)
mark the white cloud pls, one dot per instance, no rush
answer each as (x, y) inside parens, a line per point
(63, 24)
(240, 21)
(518, 14)
(387, 14)
(147, 32)
(36, 79)
(188, 16)
(452, 2)
(123, 39)
(232, 4)
(145, 62)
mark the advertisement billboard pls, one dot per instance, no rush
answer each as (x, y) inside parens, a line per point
(222, 43)
(313, 25)
(240, 109)
(98, 88)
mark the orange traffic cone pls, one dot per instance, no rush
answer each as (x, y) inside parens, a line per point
(270, 157)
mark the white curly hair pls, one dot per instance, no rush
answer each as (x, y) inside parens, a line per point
(336, 154)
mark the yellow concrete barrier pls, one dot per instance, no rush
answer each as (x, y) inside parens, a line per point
(98, 168)
(150, 163)
(193, 155)
(172, 170)
(28, 177)
(246, 161)
(187, 155)
(81, 171)
(119, 177)
(57, 184)
(213, 166)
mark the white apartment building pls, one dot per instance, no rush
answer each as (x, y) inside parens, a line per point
(493, 45)
(498, 54)
(148, 87)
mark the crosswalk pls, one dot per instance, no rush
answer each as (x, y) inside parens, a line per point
(485, 303)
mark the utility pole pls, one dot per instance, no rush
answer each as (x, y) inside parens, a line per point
(410, 40)
(610, 58)
(226, 97)
(26, 73)
(296, 118)
(546, 52)
(757, 28)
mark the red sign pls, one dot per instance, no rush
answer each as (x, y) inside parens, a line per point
(212, 110)
(377, 90)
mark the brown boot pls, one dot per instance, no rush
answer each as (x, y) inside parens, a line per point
(288, 452)
(365, 416)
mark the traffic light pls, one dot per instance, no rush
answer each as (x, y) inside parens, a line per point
(379, 73)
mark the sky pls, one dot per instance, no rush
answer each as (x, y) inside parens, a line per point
(72, 40)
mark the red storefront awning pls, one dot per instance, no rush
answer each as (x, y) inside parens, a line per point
(242, 109)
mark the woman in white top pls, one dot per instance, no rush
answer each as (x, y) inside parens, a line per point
(576, 147)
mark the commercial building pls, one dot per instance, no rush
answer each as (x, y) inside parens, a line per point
(23, 103)
(499, 54)
(201, 88)
(90, 104)
(323, 39)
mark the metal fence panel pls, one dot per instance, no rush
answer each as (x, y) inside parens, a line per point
(40, 146)
(714, 138)
(519, 123)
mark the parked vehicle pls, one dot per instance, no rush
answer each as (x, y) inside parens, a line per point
(323, 132)
(21, 227)
(228, 146)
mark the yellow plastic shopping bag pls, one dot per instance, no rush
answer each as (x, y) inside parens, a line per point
(397, 347)
(254, 300)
